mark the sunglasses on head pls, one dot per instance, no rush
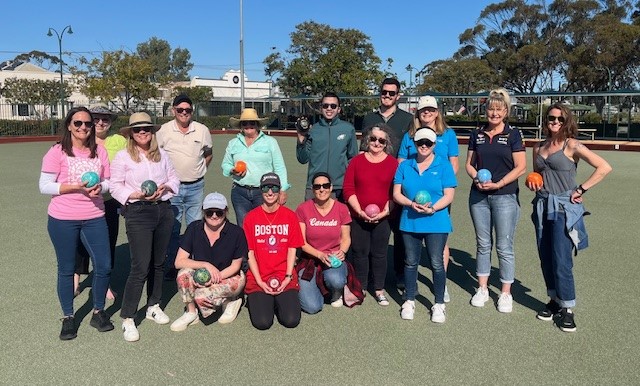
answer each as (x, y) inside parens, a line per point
(137, 130)
(388, 92)
(78, 124)
(273, 188)
(331, 106)
(248, 123)
(553, 118)
(104, 120)
(381, 141)
(326, 185)
(211, 212)
(180, 110)
(424, 142)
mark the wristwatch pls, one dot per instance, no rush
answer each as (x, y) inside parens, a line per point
(289, 275)
(581, 190)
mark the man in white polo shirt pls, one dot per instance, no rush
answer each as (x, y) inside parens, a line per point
(188, 144)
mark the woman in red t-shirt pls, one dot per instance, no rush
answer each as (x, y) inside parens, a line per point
(367, 188)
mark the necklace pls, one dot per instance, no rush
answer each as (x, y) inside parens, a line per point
(264, 212)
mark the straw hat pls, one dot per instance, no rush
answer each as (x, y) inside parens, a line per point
(139, 120)
(247, 115)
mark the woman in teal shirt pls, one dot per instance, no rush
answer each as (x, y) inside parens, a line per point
(260, 154)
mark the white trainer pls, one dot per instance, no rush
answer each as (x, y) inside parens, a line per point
(408, 309)
(230, 311)
(156, 314)
(187, 319)
(438, 313)
(480, 298)
(337, 303)
(130, 331)
(505, 302)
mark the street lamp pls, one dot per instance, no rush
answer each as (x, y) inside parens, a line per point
(68, 30)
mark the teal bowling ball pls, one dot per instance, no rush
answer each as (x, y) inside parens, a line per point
(201, 276)
(91, 178)
(422, 197)
(148, 188)
(335, 262)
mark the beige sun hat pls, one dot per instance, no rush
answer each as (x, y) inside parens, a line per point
(247, 115)
(139, 120)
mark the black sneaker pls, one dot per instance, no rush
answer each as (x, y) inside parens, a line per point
(101, 322)
(566, 322)
(68, 331)
(550, 309)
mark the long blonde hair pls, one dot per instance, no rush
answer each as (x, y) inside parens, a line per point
(153, 154)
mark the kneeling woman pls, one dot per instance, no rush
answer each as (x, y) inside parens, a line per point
(273, 234)
(148, 217)
(325, 227)
(218, 246)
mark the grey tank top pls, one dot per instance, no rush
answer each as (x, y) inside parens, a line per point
(558, 172)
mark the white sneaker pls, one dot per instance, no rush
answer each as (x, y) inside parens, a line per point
(156, 314)
(438, 313)
(505, 303)
(187, 319)
(480, 298)
(130, 331)
(447, 298)
(230, 311)
(408, 309)
(337, 303)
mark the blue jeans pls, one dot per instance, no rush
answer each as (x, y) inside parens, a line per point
(499, 212)
(148, 232)
(311, 298)
(186, 203)
(243, 200)
(556, 260)
(65, 236)
(435, 243)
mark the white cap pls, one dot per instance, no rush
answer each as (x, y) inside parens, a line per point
(214, 201)
(425, 133)
(427, 101)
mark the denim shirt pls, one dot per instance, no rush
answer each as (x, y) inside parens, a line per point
(574, 213)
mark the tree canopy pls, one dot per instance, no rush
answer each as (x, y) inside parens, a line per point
(167, 65)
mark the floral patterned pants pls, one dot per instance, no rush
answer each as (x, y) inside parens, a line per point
(216, 294)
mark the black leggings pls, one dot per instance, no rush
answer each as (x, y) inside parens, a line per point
(263, 306)
(369, 243)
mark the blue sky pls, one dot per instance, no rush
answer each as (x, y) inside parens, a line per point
(412, 32)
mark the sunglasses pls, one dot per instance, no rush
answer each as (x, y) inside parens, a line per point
(273, 188)
(78, 124)
(381, 141)
(424, 142)
(331, 106)
(428, 110)
(137, 130)
(553, 118)
(323, 186)
(180, 110)
(104, 120)
(388, 92)
(248, 123)
(210, 212)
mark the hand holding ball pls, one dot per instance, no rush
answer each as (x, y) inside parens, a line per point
(201, 276)
(240, 167)
(148, 188)
(422, 197)
(534, 179)
(91, 178)
(483, 176)
(334, 261)
(372, 210)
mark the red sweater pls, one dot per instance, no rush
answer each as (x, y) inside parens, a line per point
(371, 182)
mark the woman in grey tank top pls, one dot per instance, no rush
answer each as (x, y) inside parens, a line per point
(558, 209)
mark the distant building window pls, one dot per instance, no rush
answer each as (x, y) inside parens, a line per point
(21, 110)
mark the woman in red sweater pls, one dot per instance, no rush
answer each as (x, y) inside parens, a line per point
(367, 189)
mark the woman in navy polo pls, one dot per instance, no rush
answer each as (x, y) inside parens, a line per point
(494, 204)
(218, 246)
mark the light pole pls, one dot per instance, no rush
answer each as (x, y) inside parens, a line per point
(410, 69)
(68, 30)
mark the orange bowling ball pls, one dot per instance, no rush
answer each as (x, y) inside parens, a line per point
(240, 167)
(534, 178)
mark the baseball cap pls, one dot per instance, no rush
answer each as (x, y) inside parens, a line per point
(270, 179)
(214, 201)
(182, 98)
(427, 101)
(425, 133)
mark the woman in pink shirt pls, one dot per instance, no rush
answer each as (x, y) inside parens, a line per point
(367, 189)
(76, 214)
(148, 217)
